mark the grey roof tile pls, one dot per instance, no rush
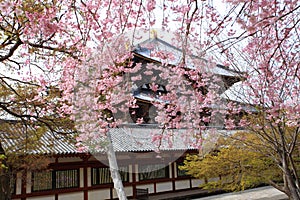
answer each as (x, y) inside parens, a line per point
(13, 139)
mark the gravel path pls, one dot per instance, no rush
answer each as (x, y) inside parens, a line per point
(262, 193)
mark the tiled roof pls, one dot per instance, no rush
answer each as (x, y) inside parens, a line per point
(13, 137)
(141, 139)
(151, 46)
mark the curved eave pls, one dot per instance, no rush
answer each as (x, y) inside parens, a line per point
(146, 58)
(230, 73)
(160, 150)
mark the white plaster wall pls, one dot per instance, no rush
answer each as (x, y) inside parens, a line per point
(213, 179)
(149, 186)
(170, 170)
(183, 184)
(18, 183)
(28, 182)
(99, 157)
(128, 192)
(163, 187)
(71, 196)
(136, 166)
(130, 173)
(196, 182)
(99, 194)
(175, 169)
(124, 157)
(89, 177)
(81, 177)
(42, 198)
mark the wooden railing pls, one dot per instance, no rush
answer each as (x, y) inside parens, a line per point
(142, 194)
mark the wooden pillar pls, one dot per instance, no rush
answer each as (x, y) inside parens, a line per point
(85, 174)
(56, 163)
(133, 174)
(173, 167)
(85, 183)
(23, 185)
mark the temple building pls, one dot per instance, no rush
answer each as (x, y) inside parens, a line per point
(86, 176)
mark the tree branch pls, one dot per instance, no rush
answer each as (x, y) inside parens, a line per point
(12, 50)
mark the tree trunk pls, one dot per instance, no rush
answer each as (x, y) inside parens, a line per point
(115, 175)
(294, 194)
(291, 182)
(5, 192)
(293, 191)
(4, 187)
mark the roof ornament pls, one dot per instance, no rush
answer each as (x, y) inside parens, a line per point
(153, 34)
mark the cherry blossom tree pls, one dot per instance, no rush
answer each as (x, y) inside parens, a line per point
(47, 41)
(73, 44)
(269, 32)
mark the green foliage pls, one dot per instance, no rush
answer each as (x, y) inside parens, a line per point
(35, 111)
(234, 165)
(3, 166)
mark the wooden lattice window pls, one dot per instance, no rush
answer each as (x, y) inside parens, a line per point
(154, 171)
(66, 178)
(42, 181)
(180, 172)
(48, 180)
(102, 175)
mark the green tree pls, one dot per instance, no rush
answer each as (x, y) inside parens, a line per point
(235, 164)
(27, 116)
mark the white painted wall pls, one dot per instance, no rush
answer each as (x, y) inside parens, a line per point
(99, 194)
(81, 176)
(136, 166)
(71, 196)
(128, 192)
(183, 184)
(170, 170)
(18, 183)
(175, 170)
(52, 197)
(149, 186)
(28, 182)
(89, 178)
(196, 182)
(130, 173)
(163, 187)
